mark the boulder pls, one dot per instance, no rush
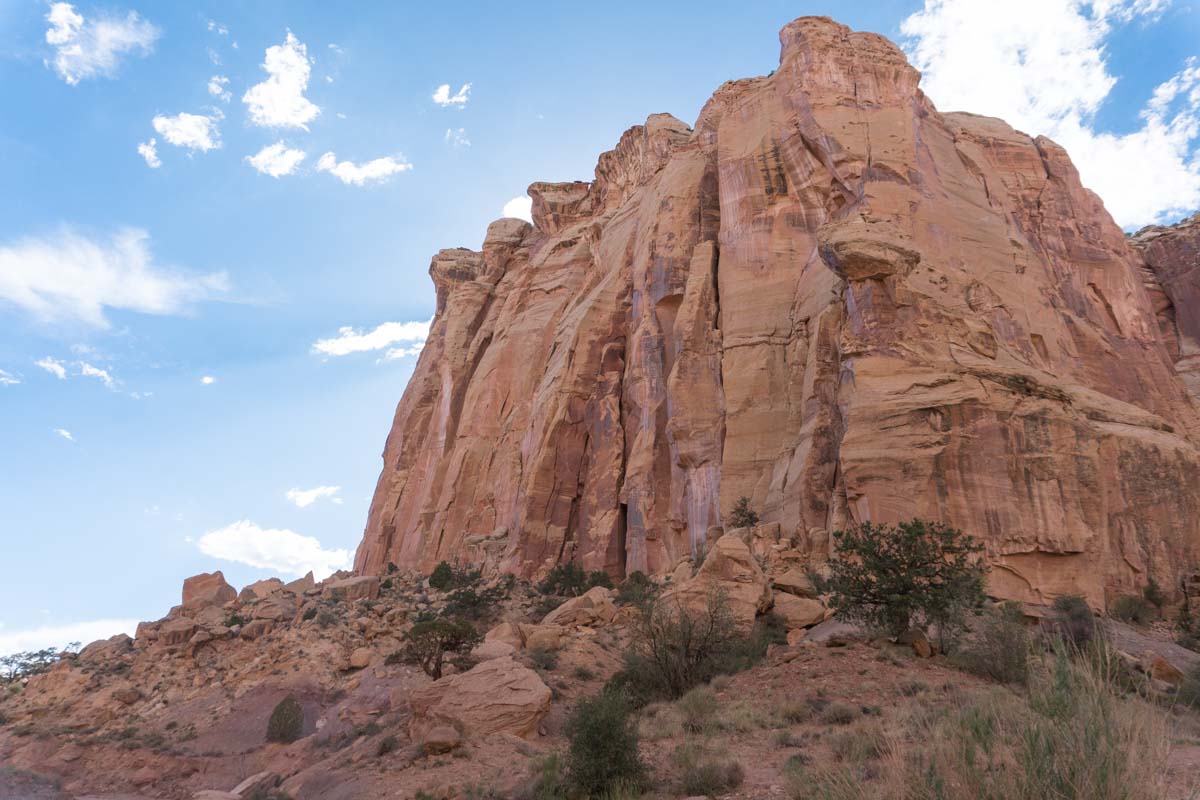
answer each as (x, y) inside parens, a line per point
(798, 612)
(177, 632)
(215, 794)
(127, 695)
(106, 650)
(441, 739)
(543, 637)
(919, 642)
(301, 585)
(593, 607)
(730, 569)
(496, 696)
(260, 590)
(256, 629)
(257, 784)
(207, 589)
(492, 648)
(795, 581)
(364, 587)
(507, 632)
(1160, 669)
(277, 608)
(361, 658)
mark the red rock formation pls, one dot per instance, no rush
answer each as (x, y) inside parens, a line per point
(1172, 257)
(828, 297)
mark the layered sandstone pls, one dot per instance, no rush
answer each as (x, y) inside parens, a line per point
(830, 298)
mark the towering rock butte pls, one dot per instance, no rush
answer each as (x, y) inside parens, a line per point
(834, 300)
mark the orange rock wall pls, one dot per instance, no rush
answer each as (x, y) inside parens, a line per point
(828, 297)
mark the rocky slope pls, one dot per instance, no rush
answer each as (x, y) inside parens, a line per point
(832, 299)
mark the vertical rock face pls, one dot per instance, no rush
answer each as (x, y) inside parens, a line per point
(827, 297)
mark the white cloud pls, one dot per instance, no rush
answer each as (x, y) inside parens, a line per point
(283, 551)
(303, 498)
(149, 151)
(68, 276)
(88, 371)
(208, 380)
(64, 433)
(52, 365)
(519, 207)
(90, 48)
(59, 636)
(279, 101)
(193, 131)
(457, 137)
(8, 379)
(444, 99)
(350, 340)
(1041, 65)
(376, 171)
(218, 88)
(276, 160)
(218, 28)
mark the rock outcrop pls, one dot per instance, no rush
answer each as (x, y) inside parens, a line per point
(832, 299)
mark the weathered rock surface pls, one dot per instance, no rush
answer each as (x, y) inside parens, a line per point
(828, 297)
(207, 589)
(497, 696)
(730, 570)
(593, 607)
(1172, 259)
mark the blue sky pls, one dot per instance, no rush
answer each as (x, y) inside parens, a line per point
(216, 221)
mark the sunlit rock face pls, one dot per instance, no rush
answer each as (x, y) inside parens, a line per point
(828, 297)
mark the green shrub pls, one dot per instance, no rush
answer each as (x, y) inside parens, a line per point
(1001, 648)
(386, 745)
(673, 648)
(1132, 609)
(603, 746)
(474, 604)
(897, 577)
(287, 721)
(742, 516)
(1153, 594)
(309, 614)
(636, 589)
(1072, 620)
(839, 714)
(429, 641)
(326, 618)
(862, 743)
(1189, 688)
(570, 580)
(442, 577)
(583, 673)
(699, 710)
(704, 774)
(1187, 629)
(32, 662)
(544, 658)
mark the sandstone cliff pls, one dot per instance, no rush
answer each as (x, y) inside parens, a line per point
(830, 298)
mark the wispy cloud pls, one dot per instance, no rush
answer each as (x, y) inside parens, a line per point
(52, 365)
(276, 160)
(64, 433)
(8, 379)
(71, 277)
(1042, 66)
(303, 498)
(349, 340)
(376, 171)
(218, 88)
(443, 98)
(193, 131)
(149, 151)
(279, 101)
(208, 380)
(89, 371)
(90, 48)
(281, 550)
(457, 137)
